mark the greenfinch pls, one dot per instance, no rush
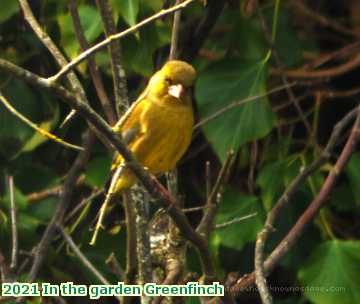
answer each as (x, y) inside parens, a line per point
(158, 126)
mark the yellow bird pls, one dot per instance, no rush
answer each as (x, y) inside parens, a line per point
(157, 127)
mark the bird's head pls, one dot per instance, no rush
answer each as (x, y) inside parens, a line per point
(173, 81)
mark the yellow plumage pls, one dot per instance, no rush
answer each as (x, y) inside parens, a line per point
(158, 126)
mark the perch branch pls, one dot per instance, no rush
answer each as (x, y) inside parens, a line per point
(149, 183)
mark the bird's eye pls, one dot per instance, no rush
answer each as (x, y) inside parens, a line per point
(168, 81)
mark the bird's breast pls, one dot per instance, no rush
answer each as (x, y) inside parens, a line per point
(168, 134)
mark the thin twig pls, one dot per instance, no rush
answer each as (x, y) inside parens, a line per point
(314, 207)
(286, 197)
(325, 21)
(343, 52)
(38, 196)
(175, 33)
(32, 125)
(206, 225)
(143, 242)
(130, 271)
(241, 102)
(115, 267)
(235, 220)
(195, 41)
(5, 272)
(207, 180)
(194, 209)
(338, 70)
(118, 72)
(106, 131)
(93, 68)
(65, 199)
(83, 258)
(289, 91)
(66, 69)
(83, 203)
(14, 230)
(56, 53)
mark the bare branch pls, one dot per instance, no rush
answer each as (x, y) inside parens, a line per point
(119, 76)
(83, 258)
(32, 125)
(241, 102)
(194, 42)
(65, 199)
(287, 242)
(206, 225)
(161, 195)
(115, 266)
(144, 260)
(14, 230)
(53, 49)
(175, 34)
(289, 91)
(66, 69)
(235, 220)
(131, 253)
(5, 272)
(93, 68)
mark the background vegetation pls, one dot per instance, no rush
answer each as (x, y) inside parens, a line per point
(281, 73)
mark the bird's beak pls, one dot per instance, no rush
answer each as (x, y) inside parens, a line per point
(176, 90)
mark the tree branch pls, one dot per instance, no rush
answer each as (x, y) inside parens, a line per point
(14, 230)
(118, 72)
(66, 69)
(104, 129)
(65, 199)
(287, 242)
(93, 68)
(53, 49)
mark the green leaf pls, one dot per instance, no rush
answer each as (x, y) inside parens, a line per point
(353, 173)
(27, 223)
(13, 132)
(97, 172)
(91, 24)
(235, 205)
(274, 177)
(192, 300)
(45, 177)
(129, 10)
(227, 82)
(37, 139)
(8, 9)
(44, 209)
(332, 273)
(138, 53)
(287, 43)
(20, 199)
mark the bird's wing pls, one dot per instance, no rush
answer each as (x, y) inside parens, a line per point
(130, 126)
(123, 121)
